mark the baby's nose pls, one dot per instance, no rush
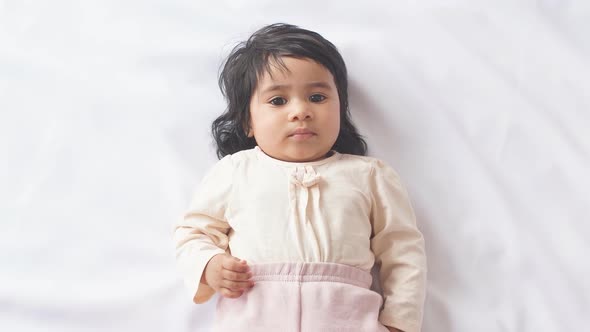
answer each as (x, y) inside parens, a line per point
(300, 111)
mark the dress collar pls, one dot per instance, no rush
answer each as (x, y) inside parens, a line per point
(333, 155)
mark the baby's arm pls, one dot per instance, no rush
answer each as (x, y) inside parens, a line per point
(398, 246)
(202, 235)
(198, 239)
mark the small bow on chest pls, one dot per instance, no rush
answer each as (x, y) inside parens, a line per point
(302, 180)
(305, 177)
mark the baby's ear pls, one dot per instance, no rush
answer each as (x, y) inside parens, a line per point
(248, 130)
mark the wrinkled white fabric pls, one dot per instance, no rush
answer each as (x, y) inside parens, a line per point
(105, 117)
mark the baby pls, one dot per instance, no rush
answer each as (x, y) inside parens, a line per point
(288, 224)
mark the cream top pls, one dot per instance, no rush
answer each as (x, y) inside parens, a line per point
(343, 209)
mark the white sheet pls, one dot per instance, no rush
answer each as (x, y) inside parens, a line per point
(105, 109)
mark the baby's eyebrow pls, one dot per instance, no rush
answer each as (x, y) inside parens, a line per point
(324, 85)
(277, 87)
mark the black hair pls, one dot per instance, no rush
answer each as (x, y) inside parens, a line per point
(250, 59)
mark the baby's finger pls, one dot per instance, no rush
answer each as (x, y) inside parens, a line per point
(236, 265)
(236, 285)
(235, 276)
(229, 293)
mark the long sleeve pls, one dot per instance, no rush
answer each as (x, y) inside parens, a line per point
(203, 232)
(398, 246)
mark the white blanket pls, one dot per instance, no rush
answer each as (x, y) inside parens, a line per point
(105, 112)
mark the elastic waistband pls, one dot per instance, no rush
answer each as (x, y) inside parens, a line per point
(311, 272)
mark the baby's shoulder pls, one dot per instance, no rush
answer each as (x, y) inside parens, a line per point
(239, 158)
(366, 163)
(230, 162)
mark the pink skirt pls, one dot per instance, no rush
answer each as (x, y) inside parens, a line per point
(303, 297)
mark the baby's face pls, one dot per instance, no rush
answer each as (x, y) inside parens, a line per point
(295, 113)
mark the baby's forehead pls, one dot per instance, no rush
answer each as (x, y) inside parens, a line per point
(278, 65)
(277, 69)
(273, 66)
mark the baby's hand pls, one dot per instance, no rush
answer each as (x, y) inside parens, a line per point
(228, 275)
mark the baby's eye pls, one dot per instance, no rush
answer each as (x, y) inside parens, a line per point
(317, 98)
(278, 101)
